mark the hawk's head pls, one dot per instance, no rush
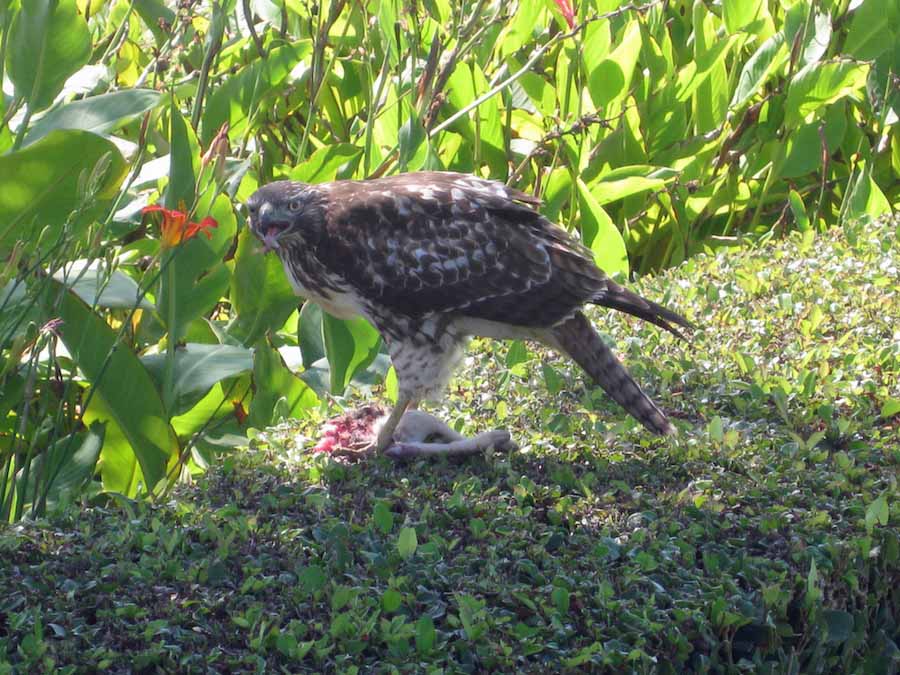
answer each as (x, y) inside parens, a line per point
(282, 211)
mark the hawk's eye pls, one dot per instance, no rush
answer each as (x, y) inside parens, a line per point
(295, 205)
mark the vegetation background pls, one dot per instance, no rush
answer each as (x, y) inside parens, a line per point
(136, 348)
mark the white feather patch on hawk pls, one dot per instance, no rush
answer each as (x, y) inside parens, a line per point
(433, 258)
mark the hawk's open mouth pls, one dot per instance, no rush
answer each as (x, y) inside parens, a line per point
(271, 235)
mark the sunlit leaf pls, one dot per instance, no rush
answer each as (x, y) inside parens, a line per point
(261, 296)
(350, 345)
(198, 367)
(325, 162)
(97, 114)
(39, 187)
(820, 84)
(874, 28)
(600, 234)
(48, 41)
(125, 386)
(101, 287)
(275, 382)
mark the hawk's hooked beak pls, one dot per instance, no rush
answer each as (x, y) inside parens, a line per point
(270, 229)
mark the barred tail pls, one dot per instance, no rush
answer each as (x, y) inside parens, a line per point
(618, 297)
(581, 342)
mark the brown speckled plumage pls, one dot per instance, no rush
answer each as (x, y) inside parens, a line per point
(432, 258)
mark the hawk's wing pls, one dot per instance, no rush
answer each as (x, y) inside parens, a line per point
(446, 242)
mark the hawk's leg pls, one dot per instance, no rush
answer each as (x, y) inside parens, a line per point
(386, 432)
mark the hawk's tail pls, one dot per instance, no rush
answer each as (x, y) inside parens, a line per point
(580, 341)
(618, 297)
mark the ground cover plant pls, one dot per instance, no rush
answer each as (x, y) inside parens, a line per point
(136, 343)
(763, 539)
(160, 386)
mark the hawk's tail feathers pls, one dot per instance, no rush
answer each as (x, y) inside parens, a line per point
(620, 298)
(581, 342)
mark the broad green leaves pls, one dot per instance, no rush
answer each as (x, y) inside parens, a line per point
(738, 14)
(874, 29)
(44, 183)
(48, 42)
(820, 84)
(97, 114)
(279, 392)
(650, 135)
(197, 368)
(101, 287)
(238, 99)
(600, 234)
(262, 297)
(124, 389)
(350, 346)
(326, 163)
(758, 68)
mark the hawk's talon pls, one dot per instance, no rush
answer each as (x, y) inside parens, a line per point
(417, 434)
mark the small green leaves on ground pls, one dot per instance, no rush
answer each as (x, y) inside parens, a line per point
(763, 538)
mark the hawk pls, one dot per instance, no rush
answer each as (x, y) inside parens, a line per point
(434, 258)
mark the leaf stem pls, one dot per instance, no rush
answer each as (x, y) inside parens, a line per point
(172, 340)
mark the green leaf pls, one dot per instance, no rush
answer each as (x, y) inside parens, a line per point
(39, 186)
(890, 408)
(261, 296)
(151, 11)
(407, 542)
(758, 69)
(865, 201)
(309, 334)
(97, 114)
(520, 29)
(697, 72)
(125, 386)
(518, 353)
(799, 211)
(275, 383)
(99, 287)
(197, 368)
(391, 600)
(471, 611)
(877, 513)
(874, 28)
(820, 84)
(313, 579)
(238, 98)
(425, 634)
(600, 234)
(803, 150)
(630, 180)
(737, 14)
(610, 80)
(70, 464)
(201, 276)
(818, 38)
(383, 518)
(350, 346)
(48, 41)
(560, 597)
(839, 625)
(184, 161)
(323, 165)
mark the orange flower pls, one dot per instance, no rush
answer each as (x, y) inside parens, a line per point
(176, 228)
